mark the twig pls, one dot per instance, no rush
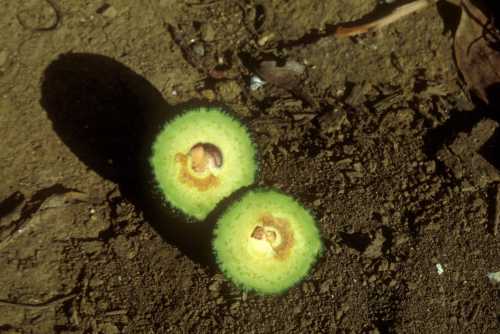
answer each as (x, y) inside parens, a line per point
(496, 219)
(115, 313)
(393, 16)
(46, 304)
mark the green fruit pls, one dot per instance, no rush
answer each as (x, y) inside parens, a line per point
(201, 157)
(266, 242)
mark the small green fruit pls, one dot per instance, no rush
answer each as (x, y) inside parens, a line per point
(201, 157)
(266, 242)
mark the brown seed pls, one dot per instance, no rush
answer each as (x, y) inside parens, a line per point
(258, 233)
(270, 236)
(199, 158)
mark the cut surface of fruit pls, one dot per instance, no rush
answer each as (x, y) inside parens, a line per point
(202, 157)
(266, 242)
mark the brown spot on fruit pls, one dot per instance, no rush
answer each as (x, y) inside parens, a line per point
(186, 176)
(277, 229)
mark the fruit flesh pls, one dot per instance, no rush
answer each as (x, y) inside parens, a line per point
(266, 242)
(201, 157)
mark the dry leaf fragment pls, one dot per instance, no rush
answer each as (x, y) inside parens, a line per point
(288, 75)
(476, 57)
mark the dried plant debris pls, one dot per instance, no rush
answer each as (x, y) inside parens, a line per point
(288, 76)
(463, 158)
(496, 218)
(376, 24)
(477, 44)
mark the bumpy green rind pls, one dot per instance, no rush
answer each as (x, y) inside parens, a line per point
(203, 125)
(268, 276)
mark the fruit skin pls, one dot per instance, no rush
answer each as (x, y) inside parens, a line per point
(265, 276)
(203, 125)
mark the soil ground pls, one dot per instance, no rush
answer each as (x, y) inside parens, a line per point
(379, 138)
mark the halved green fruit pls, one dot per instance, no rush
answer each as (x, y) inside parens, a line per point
(266, 242)
(201, 157)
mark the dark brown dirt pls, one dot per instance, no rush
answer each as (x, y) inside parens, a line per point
(376, 134)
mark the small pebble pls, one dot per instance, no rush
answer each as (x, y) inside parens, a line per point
(358, 167)
(265, 38)
(234, 307)
(108, 11)
(494, 277)
(256, 82)
(208, 33)
(439, 268)
(215, 286)
(208, 94)
(199, 49)
(325, 286)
